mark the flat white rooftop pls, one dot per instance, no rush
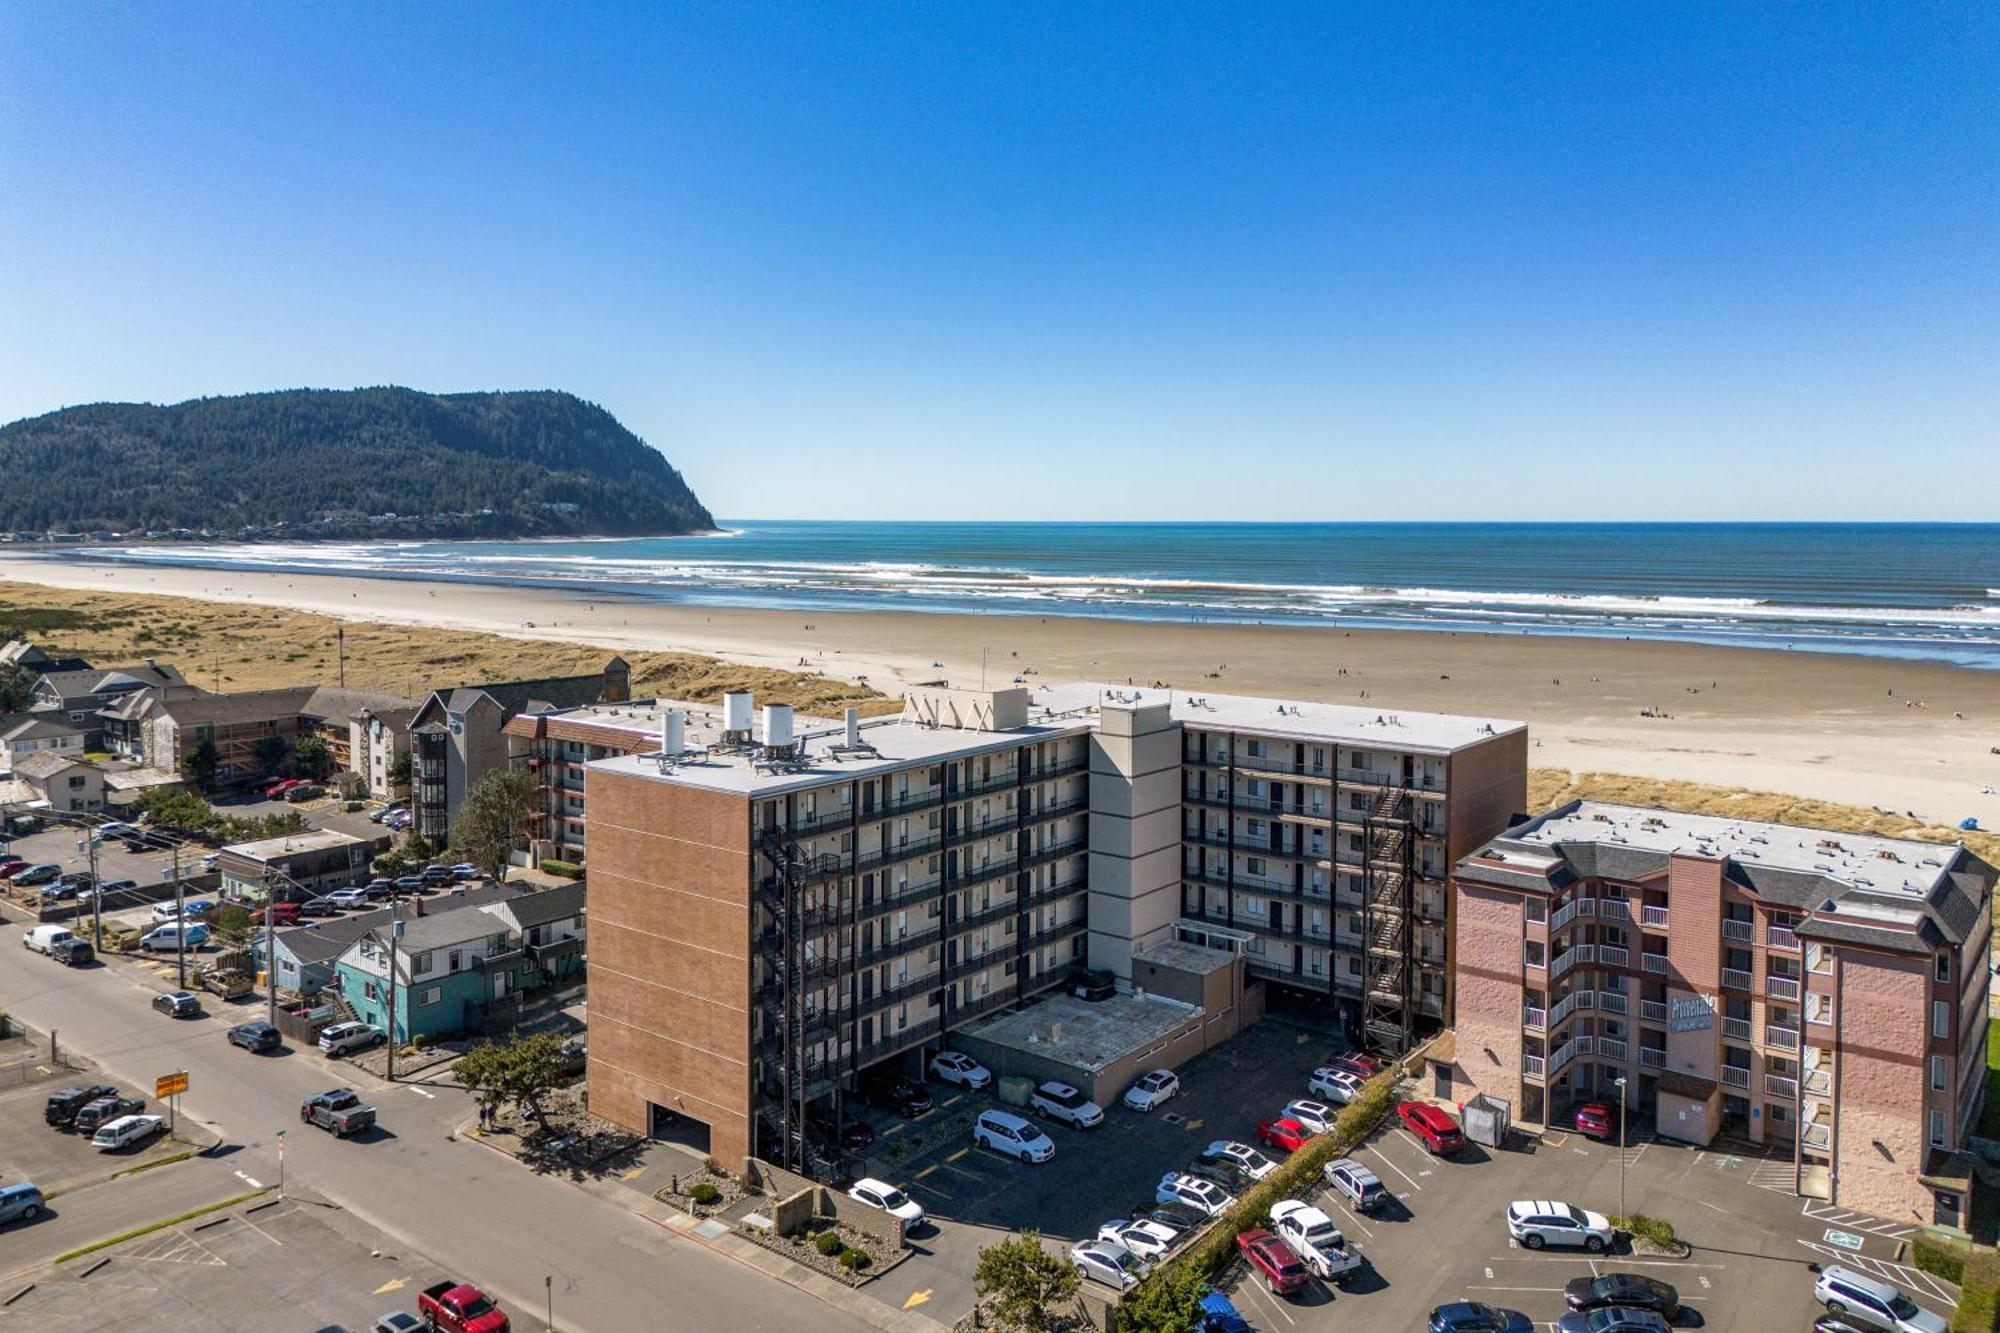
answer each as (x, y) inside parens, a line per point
(1869, 861)
(1362, 727)
(1086, 1034)
(313, 840)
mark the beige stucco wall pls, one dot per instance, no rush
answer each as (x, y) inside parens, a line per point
(1879, 1084)
(1487, 978)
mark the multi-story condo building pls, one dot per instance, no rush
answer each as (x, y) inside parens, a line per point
(776, 912)
(556, 744)
(1823, 992)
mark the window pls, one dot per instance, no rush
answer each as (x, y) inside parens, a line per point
(1940, 1071)
(1940, 1019)
(370, 991)
(1937, 1127)
(1255, 865)
(1536, 953)
(1943, 972)
(420, 962)
(430, 995)
(452, 961)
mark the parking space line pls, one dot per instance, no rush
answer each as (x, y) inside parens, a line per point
(1397, 1169)
(1272, 1301)
(960, 1153)
(926, 1171)
(1900, 1274)
(1848, 1220)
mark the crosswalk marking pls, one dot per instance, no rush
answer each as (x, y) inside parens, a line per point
(1902, 1275)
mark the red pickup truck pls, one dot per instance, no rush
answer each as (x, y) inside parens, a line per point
(460, 1308)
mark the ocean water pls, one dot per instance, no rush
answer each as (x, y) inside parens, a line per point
(1914, 591)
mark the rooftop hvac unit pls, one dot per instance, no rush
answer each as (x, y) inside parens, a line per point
(777, 725)
(673, 733)
(853, 716)
(736, 711)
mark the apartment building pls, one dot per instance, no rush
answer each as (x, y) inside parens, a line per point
(556, 744)
(775, 912)
(162, 731)
(1817, 991)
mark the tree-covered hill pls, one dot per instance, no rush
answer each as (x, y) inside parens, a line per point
(338, 463)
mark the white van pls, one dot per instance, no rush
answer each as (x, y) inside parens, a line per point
(164, 939)
(1011, 1136)
(127, 1129)
(42, 939)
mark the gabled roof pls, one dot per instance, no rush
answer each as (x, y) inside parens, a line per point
(37, 726)
(45, 764)
(561, 903)
(98, 680)
(325, 702)
(518, 696)
(332, 937)
(460, 923)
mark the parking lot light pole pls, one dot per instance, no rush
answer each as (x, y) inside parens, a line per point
(1619, 1083)
(180, 915)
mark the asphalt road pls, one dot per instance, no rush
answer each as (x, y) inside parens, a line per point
(472, 1210)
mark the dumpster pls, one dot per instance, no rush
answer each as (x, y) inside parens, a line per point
(1485, 1120)
(1015, 1091)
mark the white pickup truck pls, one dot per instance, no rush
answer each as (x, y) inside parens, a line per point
(1317, 1241)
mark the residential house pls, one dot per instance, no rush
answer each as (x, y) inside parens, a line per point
(22, 655)
(550, 927)
(305, 954)
(458, 736)
(314, 862)
(80, 695)
(24, 734)
(64, 783)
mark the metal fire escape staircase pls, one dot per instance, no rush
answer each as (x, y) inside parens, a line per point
(1388, 1006)
(789, 972)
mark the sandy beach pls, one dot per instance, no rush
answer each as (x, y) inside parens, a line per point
(1903, 736)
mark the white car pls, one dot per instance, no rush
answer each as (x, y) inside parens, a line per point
(1148, 1240)
(1539, 1222)
(1204, 1196)
(1010, 1136)
(348, 897)
(1149, 1090)
(1317, 1117)
(1059, 1101)
(881, 1194)
(1336, 1085)
(1875, 1301)
(1256, 1164)
(953, 1067)
(1108, 1262)
(127, 1129)
(165, 912)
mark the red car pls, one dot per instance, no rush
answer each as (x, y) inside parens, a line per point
(1283, 1132)
(11, 864)
(1597, 1120)
(1354, 1062)
(1432, 1124)
(277, 789)
(1282, 1269)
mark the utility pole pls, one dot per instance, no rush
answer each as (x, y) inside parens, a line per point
(96, 890)
(395, 938)
(1620, 1082)
(180, 915)
(270, 951)
(340, 639)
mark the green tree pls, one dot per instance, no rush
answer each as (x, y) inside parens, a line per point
(1024, 1282)
(15, 687)
(199, 764)
(521, 1072)
(1168, 1301)
(311, 757)
(399, 769)
(269, 752)
(493, 819)
(177, 811)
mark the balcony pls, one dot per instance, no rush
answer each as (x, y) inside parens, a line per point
(1738, 932)
(1785, 1089)
(1612, 955)
(1736, 1029)
(1781, 937)
(1737, 979)
(1531, 1066)
(1818, 1136)
(1780, 1036)
(1653, 1011)
(1733, 1077)
(1534, 1019)
(1653, 1057)
(1781, 988)
(1565, 915)
(1653, 916)
(1569, 958)
(1612, 1001)
(1653, 962)
(1611, 1048)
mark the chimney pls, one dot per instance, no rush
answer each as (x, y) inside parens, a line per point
(416, 906)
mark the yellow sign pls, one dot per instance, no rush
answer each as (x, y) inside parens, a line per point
(166, 1085)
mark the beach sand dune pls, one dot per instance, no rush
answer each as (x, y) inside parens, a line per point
(1901, 736)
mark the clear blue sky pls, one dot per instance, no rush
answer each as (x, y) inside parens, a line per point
(957, 260)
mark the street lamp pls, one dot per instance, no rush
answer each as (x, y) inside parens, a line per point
(1619, 1083)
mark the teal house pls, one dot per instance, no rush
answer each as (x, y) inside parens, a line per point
(471, 968)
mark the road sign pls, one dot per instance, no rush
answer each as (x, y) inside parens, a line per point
(167, 1085)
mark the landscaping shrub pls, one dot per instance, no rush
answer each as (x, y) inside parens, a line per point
(853, 1259)
(829, 1244)
(1939, 1257)
(1979, 1299)
(1656, 1230)
(703, 1192)
(567, 869)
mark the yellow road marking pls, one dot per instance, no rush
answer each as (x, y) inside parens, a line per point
(917, 1298)
(960, 1153)
(393, 1284)
(926, 1171)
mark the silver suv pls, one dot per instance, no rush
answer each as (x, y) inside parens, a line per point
(1539, 1222)
(346, 1038)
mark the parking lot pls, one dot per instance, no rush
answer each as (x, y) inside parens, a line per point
(286, 1266)
(59, 1160)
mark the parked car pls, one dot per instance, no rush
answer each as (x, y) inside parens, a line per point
(1204, 1196)
(347, 898)
(1218, 1315)
(20, 1202)
(340, 1112)
(1240, 1155)
(574, 1057)
(1626, 1289)
(1011, 1136)
(72, 952)
(94, 1115)
(59, 1111)
(256, 1037)
(126, 1131)
(1148, 1091)
(1336, 1085)
(166, 911)
(465, 870)
(1356, 1183)
(1317, 1242)
(1317, 1117)
(886, 1092)
(338, 1039)
(170, 939)
(837, 1136)
(1477, 1317)
(11, 866)
(397, 1321)
(460, 1308)
(1539, 1222)
(1283, 1133)
(881, 1194)
(381, 815)
(376, 890)
(178, 1004)
(1108, 1262)
(37, 874)
(1363, 1067)
(1596, 1120)
(435, 877)
(1844, 1323)
(40, 939)
(1149, 1240)
(1273, 1260)
(1170, 1213)
(113, 890)
(1612, 1319)
(1088, 984)
(282, 914)
(408, 885)
(1224, 1173)
(1059, 1101)
(277, 789)
(307, 791)
(957, 1067)
(1845, 1291)
(319, 907)
(1433, 1127)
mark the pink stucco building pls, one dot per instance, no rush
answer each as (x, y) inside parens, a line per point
(1823, 992)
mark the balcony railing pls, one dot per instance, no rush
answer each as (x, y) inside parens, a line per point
(1613, 955)
(1612, 1001)
(1569, 913)
(1780, 1036)
(1653, 1011)
(1742, 932)
(1818, 1136)
(1781, 937)
(1777, 1085)
(1611, 1048)
(1653, 962)
(1653, 1057)
(1571, 957)
(1783, 988)
(1653, 916)
(1735, 977)
(1534, 1019)
(1532, 1066)
(1736, 1029)
(1734, 1077)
